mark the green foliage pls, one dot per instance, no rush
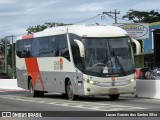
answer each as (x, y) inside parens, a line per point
(142, 16)
(38, 28)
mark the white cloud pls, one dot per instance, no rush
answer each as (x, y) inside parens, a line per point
(88, 7)
(6, 1)
(41, 6)
(17, 31)
(17, 15)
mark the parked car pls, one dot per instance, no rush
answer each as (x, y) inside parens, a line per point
(156, 74)
(140, 72)
(4, 76)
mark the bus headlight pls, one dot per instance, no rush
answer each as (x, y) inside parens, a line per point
(132, 80)
(90, 81)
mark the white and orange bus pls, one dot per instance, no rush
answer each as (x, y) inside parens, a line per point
(76, 60)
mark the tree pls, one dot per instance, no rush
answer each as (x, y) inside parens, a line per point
(142, 16)
(38, 28)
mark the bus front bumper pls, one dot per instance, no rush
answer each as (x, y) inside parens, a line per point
(90, 89)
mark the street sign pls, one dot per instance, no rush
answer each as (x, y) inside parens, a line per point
(139, 31)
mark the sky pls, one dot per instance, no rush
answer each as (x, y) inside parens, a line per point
(17, 15)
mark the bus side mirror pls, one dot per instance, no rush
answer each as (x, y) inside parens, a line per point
(81, 47)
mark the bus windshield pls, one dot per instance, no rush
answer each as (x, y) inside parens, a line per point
(108, 56)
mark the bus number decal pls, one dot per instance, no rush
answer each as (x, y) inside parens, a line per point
(58, 65)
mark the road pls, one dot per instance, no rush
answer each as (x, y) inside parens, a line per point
(20, 101)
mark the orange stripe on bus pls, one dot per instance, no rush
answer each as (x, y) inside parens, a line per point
(27, 36)
(33, 71)
(32, 66)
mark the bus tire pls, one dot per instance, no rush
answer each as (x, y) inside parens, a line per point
(40, 93)
(64, 95)
(33, 93)
(70, 93)
(114, 97)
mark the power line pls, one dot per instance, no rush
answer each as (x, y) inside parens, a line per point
(75, 22)
(115, 14)
(87, 19)
(124, 19)
(119, 18)
(115, 17)
(72, 23)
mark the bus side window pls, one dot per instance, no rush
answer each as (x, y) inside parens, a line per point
(19, 48)
(43, 49)
(75, 51)
(63, 46)
(35, 48)
(53, 47)
(27, 48)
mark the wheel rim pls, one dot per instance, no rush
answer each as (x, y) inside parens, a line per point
(31, 89)
(70, 91)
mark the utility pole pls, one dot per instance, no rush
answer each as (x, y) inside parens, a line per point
(115, 14)
(12, 36)
(6, 65)
(6, 41)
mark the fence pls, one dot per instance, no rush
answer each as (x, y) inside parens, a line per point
(144, 60)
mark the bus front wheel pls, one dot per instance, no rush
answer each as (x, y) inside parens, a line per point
(70, 93)
(114, 97)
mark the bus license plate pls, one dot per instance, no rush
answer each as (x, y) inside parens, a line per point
(113, 90)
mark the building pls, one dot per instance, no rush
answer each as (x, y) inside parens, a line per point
(146, 59)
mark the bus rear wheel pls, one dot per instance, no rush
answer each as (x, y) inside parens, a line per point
(70, 93)
(114, 97)
(34, 93)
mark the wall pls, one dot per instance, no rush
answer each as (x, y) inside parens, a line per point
(9, 84)
(148, 42)
(148, 88)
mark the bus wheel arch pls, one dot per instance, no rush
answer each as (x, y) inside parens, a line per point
(64, 95)
(66, 82)
(29, 79)
(69, 90)
(33, 93)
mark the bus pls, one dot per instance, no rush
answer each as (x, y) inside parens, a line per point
(76, 60)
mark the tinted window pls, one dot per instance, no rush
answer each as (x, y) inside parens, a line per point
(35, 47)
(53, 47)
(43, 47)
(63, 46)
(19, 48)
(27, 48)
(75, 51)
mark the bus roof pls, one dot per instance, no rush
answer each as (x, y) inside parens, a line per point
(83, 31)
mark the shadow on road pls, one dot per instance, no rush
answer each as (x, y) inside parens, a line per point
(14, 92)
(84, 98)
(60, 97)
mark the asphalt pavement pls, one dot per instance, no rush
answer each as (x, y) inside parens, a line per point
(19, 100)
